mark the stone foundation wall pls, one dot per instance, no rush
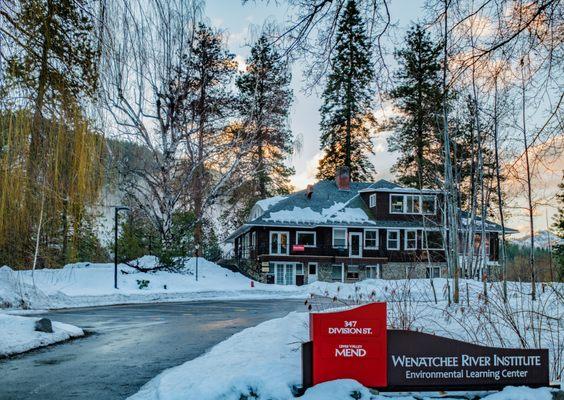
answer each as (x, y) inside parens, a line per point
(397, 270)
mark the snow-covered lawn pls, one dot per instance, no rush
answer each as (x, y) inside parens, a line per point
(17, 334)
(89, 284)
(264, 362)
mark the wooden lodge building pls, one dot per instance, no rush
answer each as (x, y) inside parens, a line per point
(342, 231)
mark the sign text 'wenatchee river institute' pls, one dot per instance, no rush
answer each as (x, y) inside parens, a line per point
(356, 344)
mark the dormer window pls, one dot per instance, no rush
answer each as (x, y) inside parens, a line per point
(396, 203)
(413, 204)
(428, 204)
(372, 200)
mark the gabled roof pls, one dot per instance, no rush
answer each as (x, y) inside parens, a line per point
(329, 206)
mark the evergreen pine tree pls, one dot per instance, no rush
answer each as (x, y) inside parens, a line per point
(417, 96)
(265, 99)
(346, 113)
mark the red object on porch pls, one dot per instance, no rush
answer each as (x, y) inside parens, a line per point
(350, 344)
(298, 247)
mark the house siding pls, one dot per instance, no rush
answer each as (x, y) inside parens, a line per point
(391, 264)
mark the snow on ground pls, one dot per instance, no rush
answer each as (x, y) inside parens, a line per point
(264, 362)
(89, 284)
(17, 334)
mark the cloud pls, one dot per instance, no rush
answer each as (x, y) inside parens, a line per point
(306, 175)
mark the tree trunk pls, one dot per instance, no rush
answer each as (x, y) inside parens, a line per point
(499, 196)
(529, 194)
(451, 212)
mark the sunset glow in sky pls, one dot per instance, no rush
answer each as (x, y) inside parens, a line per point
(241, 23)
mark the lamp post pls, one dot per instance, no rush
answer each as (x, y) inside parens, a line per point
(117, 209)
(197, 255)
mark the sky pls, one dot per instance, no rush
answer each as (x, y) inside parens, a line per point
(240, 22)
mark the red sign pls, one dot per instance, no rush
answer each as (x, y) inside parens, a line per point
(298, 247)
(350, 344)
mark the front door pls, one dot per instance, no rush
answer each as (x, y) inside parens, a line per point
(311, 272)
(355, 244)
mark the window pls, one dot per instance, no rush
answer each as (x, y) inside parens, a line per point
(428, 204)
(433, 272)
(299, 269)
(412, 204)
(433, 240)
(372, 201)
(396, 204)
(246, 246)
(279, 242)
(352, 272)
(312, 269)
(393, 240)
(370, 238)
(410, 240)
(339, 237)
(337, 272)
(373, 271)
(307, 239)
(254, 240)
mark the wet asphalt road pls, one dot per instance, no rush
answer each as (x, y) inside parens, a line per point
(129, 345)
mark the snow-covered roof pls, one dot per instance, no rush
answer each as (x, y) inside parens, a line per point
(329, 206)
(265, 204)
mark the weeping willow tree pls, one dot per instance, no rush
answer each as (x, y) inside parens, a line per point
(48, 220)
(51, 158)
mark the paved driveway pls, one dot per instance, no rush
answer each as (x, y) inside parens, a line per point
(129, 345)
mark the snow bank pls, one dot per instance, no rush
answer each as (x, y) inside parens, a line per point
(90, 284)
(264, 362)
(17, 334)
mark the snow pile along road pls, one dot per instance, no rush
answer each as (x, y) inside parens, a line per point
(264, 362)
(17, 334)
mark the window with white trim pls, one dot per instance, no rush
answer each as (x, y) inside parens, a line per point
(396, 204)
(371, 238)
(393, 240)
(433, 272)
(279, 243)
(410, 239)
(428, 204)
(339, 237)
(246, 245)
(433, 240)
(254, 240)
(307, 239)
(372, 200)
(352, 272)
(412, 202)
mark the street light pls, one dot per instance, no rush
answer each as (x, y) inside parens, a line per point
(196, 252)
(117, 209)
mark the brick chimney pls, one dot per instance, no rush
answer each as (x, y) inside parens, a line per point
(309, 191)
(343, 178)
